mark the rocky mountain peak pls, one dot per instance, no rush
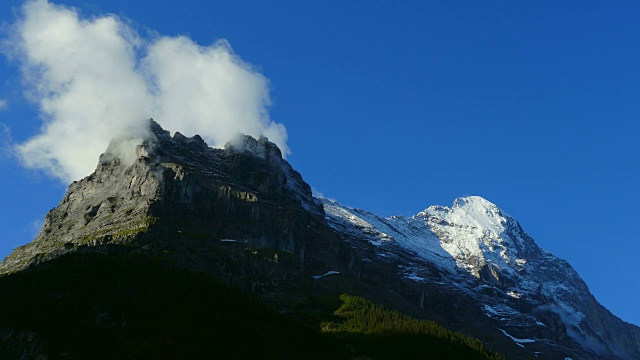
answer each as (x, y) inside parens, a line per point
(174, 189)
(476, 210)
(261, 147)
(475, 203)
(475, 228)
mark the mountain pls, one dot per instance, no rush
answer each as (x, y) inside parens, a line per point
(179, 197)
(534, 298)
(242, 216)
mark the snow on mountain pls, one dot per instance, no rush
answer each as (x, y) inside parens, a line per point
(530, 293)
(476, 233)
(473, 233)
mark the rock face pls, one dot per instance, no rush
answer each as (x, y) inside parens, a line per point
(241, 213)
(244, 216)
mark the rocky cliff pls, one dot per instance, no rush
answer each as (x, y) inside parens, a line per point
(241, 213)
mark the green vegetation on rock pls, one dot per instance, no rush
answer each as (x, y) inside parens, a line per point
(383, 334)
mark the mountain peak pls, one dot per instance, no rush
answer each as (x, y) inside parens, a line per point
(474, 202)
(474, 211)
(184, 182)
(483, 211)
(260, 147)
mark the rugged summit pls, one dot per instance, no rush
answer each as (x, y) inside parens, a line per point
(243, 216)
(184, 201)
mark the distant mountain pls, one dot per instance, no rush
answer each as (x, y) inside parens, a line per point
(243, 217)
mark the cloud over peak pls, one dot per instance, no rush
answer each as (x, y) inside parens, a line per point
(97, 79)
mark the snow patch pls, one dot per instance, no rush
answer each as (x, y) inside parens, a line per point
(514, 294)
(236, 241)
(519, 342)
(326, 274)
(490, 310)
(501, 311)
(414, 277)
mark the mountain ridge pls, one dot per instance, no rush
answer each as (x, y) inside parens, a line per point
(243, 215)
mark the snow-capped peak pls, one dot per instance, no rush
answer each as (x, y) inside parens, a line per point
(476, 204)
(473, 232)
(477, 233)
(479, 216)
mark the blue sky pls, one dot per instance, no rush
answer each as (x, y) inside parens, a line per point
(396, 106)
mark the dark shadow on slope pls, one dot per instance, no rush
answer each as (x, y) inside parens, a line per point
(100, 307)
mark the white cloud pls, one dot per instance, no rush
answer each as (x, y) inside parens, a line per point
(92, 85)
(209, 90)
(3, 104)
(82, 74)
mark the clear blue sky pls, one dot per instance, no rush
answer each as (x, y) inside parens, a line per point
(395, 106)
